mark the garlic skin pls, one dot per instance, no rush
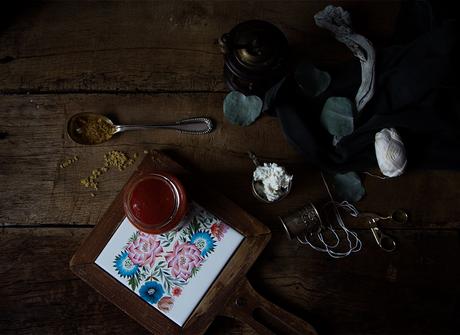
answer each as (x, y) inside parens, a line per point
(390, 152)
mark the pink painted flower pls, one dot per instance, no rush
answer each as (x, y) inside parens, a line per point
(144, 250)
(165, 304)
(219, 230)
(183, 259)
(176, 291)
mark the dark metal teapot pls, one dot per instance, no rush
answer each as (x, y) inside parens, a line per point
(255, 57)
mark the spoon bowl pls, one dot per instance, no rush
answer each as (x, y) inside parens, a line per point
(257, 191)
(90, 128)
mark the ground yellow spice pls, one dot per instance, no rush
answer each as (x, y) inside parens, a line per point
(118, 159)
(112, 159)
(68, 162)
(94, 129)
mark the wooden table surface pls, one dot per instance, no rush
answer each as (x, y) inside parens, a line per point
(159, 61)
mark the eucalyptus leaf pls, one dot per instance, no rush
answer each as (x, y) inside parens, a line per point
(241, 109)
(348, 186)
(337, 116)
(313, 81)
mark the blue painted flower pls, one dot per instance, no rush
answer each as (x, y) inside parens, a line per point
(151, 292)
(204, 242)
(124, 266)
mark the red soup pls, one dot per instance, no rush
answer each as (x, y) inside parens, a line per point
(155, 203)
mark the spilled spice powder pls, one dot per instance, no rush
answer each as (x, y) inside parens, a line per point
(118, 159)
(112, 159)
(68, 162)
(93, 129)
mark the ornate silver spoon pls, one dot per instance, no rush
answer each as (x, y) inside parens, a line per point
(92, 128)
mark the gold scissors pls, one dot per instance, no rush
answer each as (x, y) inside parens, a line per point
(384, 241)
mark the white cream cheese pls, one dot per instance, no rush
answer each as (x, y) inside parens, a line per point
(274, 179)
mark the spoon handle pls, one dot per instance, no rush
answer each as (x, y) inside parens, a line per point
(254, 158)
(199, 125)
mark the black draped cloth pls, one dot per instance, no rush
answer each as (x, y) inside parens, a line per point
(416, 92)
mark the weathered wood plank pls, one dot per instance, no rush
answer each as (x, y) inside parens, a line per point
(48, 298)
(412, 291)
(36, 191)
(154, 46)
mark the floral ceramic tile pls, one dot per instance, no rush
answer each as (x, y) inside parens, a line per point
(171, 271)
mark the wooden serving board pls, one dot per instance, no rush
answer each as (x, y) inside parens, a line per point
(229, 294)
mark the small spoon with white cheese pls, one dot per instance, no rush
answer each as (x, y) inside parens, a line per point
(270, 182)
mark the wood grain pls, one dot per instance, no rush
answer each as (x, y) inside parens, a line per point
(413, 291)
(36, 191)
(157, 45)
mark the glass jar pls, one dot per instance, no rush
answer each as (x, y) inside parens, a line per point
(155, 202)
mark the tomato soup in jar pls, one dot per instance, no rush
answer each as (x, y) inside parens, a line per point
(155, 203)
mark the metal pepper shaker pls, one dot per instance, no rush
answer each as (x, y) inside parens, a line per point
(305, 220)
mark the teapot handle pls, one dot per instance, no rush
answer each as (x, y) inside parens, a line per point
(224, 43)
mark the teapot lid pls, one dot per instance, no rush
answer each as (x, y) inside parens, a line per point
(255, 43)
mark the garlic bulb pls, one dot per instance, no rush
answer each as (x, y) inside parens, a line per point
(390, 152)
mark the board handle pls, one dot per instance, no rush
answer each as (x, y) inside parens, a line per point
(263, 316)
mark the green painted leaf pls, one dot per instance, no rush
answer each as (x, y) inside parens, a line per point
(195, 271)
(194, 226)
(133, 237)
(178, 282)
(348, 186)
(313, 81)
(240, 109)
(168, 287)
(152, 277)
(133, 282)
(337, 116)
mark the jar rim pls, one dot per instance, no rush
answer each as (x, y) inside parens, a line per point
(178, 212)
